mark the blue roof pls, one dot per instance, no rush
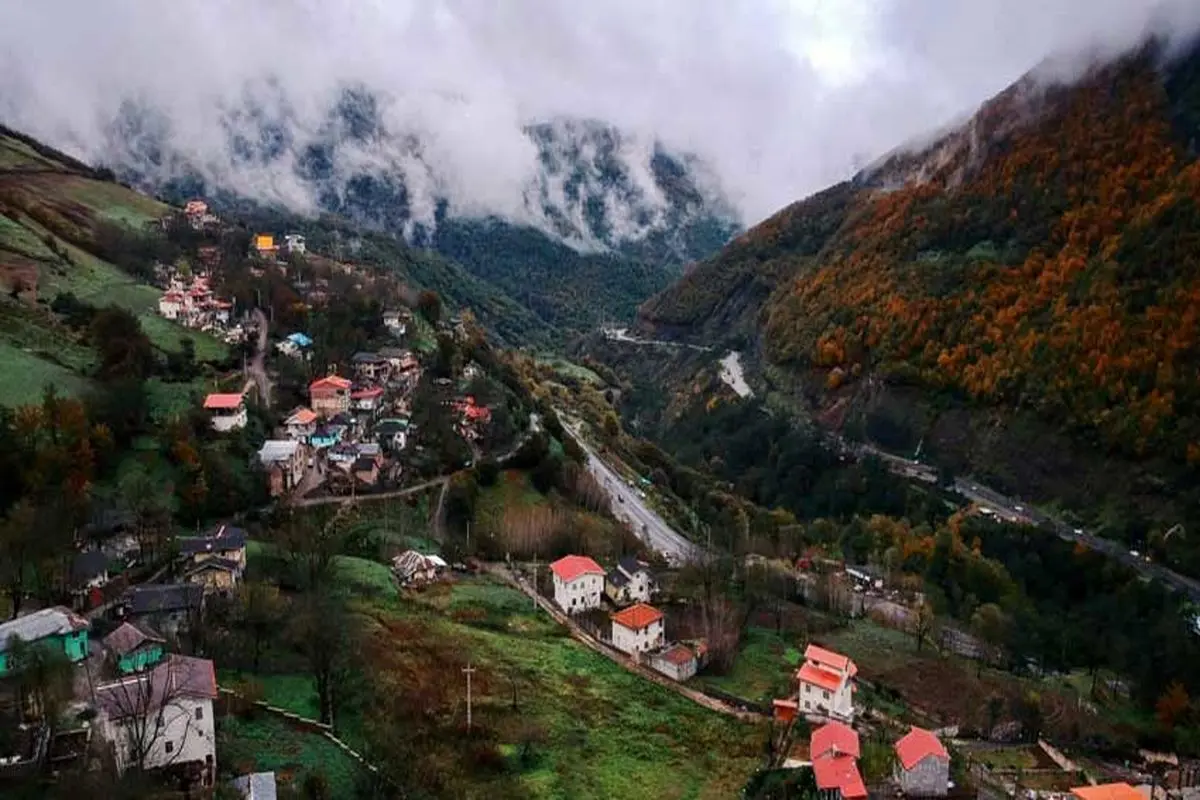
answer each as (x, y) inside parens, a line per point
(300, 340)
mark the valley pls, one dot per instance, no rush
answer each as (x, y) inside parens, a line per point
(328, 467)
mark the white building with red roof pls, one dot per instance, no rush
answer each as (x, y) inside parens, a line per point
(637, 629)
(228, 411)
(922, 764)
(677, 662)
(578, 583)
(834, 751)
(826, 684)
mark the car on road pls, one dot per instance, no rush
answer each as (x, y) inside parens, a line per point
(1135, 554)
(1079, 531)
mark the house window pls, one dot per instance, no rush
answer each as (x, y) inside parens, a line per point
(169, 747)
(826, 694)
(199, 712)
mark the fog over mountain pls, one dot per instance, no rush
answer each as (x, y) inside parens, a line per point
(761, 103)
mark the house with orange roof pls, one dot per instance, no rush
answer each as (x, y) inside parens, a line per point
(301, 424)
(638, 629)
(1108, 791)
(922, 764)
(578, 583)
(330, 396)
(825, 684)
(228, 411)
(834, 750)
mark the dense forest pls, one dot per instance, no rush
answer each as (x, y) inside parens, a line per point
(1043, 260)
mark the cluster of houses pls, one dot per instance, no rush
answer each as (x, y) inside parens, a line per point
(636, 628)
(135, 701)
(353, 430)
(193, 304)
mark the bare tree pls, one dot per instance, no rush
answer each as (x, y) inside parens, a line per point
(148, 719)
(260, 610)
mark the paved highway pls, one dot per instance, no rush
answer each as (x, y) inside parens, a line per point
(629, 507)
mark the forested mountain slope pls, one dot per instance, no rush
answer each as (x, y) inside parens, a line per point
(1040, 264)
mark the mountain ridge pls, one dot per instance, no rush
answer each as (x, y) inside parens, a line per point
(1039, 263)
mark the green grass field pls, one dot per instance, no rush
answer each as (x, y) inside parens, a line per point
(24, 377)
(763, 669)
(603, 731)
(16, 154)
(268, 744)
(566, 369)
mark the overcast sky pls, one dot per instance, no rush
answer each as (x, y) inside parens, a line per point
(780, 96)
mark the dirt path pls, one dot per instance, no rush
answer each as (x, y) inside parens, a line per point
(589, 641)
(347, 498)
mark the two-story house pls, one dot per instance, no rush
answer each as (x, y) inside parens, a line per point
(284, 460)
(330, 395)
(223, 541)
(370, 366)
(163, 718)
(834, 751)
(301, 424)
(57, 627)
(228, 411)
(630, 582)
(637, 629)
(922, 764)
(367, 400)
(826, 684)
(134, 647)
(578, 583)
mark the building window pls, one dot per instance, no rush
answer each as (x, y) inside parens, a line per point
(169, 747)
(199, 712)
(826, 694)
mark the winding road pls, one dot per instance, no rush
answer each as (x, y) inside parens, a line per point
(628, 506)
(256, 369)
(1009, 508)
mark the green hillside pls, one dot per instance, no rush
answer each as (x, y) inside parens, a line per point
(1021, 298)
(52, 209)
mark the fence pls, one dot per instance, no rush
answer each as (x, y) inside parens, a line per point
(302, 723)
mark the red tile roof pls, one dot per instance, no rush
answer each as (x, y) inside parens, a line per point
(829, 681)
(916, 745)
(679, 655)
(836, 738)
(223, 401)
(302, 416)
(330, 382)
(568, 568)
(839, 773)
(836, 661)
(1108, 791)
(637, 617)
(363, 394)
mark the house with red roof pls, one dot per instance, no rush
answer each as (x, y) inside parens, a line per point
(228, 411)
(301, 424)
(677, 662)
(834, 750)
(638, 629)
(330, 396)
(825, 684)
(1108, 791)
(578, 583)
(922, 764)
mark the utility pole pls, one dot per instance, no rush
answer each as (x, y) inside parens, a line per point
(468, 670)
(535, 585)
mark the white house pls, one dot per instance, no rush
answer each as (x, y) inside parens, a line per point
(826, 684)
(171, 305)
(922, 764)
(301, 424)
(163, 717)
(578, 583)
(396, 321)
(294, 243)
(228, 411)
(638, 629)
(630, 582)
(677, 662)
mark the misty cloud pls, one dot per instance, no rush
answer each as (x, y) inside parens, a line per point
(778, 98)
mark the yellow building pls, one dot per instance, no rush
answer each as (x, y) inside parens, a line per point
(264, 243)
